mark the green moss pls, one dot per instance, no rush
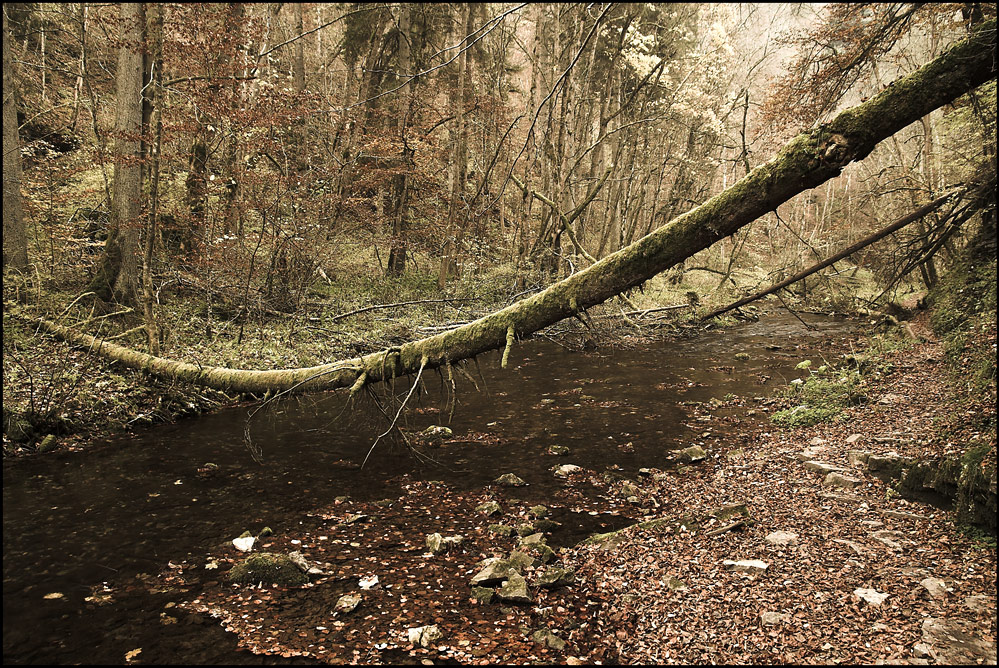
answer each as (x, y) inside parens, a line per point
(268, 568)
(819, 398)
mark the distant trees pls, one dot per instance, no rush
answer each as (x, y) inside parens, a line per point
(15, 240)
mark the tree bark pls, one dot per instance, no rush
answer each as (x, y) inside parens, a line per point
(807, 161)
(15, 238)
(118, 270)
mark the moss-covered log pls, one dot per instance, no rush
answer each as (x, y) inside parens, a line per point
(807, 161)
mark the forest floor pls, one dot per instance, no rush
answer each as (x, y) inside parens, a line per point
(834, 572)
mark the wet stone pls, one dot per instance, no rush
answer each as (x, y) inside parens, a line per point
(694, 453)
(558, 450)
(510, 480)
(489, 508)
(514, 590)
(566, 470)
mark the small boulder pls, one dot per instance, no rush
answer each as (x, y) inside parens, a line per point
(935, 587)
(957, 642)
(493, 571)
(553, 577)
(675, 584)
(773, 618)
(489, 508)
(742, 357)
(435, 543)
(558, 450)
(843, 481)
(548, 639)
(871, 597)
(531, 539)
(858, 458)
(781, 538)
(526, 529)
(546, 525)
(510, 480)
(347, 603)
(853, 438)
(752, 566)
(822, 467)
(538, 511)
(500, 529)
(424, 636)
(514, 590)
(48, 444)
(566, 470)
(519, 560)
(483, 595)
(694, 453)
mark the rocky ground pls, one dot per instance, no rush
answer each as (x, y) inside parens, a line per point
(781, 546)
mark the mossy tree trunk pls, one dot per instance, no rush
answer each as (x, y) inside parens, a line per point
(808, 160)
(118, 270)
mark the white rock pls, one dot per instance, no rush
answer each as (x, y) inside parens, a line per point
(244, 544)
(565, 470)
(746, 566)
(936, 587)
(870, 596)
(853, 438)
(782, 538)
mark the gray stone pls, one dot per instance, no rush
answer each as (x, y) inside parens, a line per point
(753, 566)
(493, 571)
(858, 458)
(811, 452)
(566, 470)
(548, 639)
(870, 596)
(822, 467)
(843, 481)
(519, 560)
(489, 508)
(890, 463)
(483, 595)
(347, 603)
(694, 453)
(532, 539)
(553, 577)
(514, 590)
(957, 642)
(935, 587)
(853, 438)
(510, 480)
(782, 538)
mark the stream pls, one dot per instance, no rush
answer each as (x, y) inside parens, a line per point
(74, 522)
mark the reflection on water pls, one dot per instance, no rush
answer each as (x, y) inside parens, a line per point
(73, 521)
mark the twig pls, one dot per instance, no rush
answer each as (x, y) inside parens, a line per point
(423, 363)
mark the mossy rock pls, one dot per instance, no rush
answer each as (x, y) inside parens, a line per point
(501, 529)
(538, 511)
(269, 568)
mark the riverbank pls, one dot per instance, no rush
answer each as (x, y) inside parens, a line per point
(779, 545)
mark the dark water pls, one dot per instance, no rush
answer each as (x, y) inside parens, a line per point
(74, 521)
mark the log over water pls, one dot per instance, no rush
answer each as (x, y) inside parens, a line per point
(808, 160)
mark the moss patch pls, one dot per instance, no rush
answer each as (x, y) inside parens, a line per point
(269, 568)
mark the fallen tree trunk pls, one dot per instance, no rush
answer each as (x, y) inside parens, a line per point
(863, 243)
(807, 161)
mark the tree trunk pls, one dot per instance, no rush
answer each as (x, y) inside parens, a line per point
(15, 238)
(808, 160)
(118, 270)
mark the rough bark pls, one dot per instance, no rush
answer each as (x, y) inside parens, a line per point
(118, 270)
(808, 160)
(15, 238)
